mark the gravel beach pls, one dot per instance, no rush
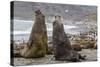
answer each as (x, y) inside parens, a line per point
(91, 55)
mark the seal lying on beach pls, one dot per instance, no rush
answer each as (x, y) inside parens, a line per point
(61, 44)
(37, 44)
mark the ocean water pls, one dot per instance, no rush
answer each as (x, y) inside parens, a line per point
(22, 29)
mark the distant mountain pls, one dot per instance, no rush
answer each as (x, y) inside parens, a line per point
(25, 10)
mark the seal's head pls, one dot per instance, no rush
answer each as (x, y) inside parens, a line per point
(58, 18)
(39, 15)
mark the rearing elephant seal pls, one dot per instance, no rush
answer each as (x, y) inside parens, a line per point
(61, 44)
(37, 44)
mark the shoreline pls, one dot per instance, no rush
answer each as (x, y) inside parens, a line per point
(91, 55)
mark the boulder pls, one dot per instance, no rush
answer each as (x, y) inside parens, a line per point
(76, 47)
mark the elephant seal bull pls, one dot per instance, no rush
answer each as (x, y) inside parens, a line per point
(37, 43)
(61, 43)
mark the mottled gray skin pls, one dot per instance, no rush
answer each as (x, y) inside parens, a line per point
(62, 46)
(37, 44)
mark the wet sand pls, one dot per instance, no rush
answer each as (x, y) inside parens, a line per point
(91, 55)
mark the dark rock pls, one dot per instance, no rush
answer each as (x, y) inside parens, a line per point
(37, 44)
(76, 47)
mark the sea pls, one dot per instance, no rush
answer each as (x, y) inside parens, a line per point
(22, 29)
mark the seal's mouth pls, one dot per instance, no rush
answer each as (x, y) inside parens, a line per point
(38, 12)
